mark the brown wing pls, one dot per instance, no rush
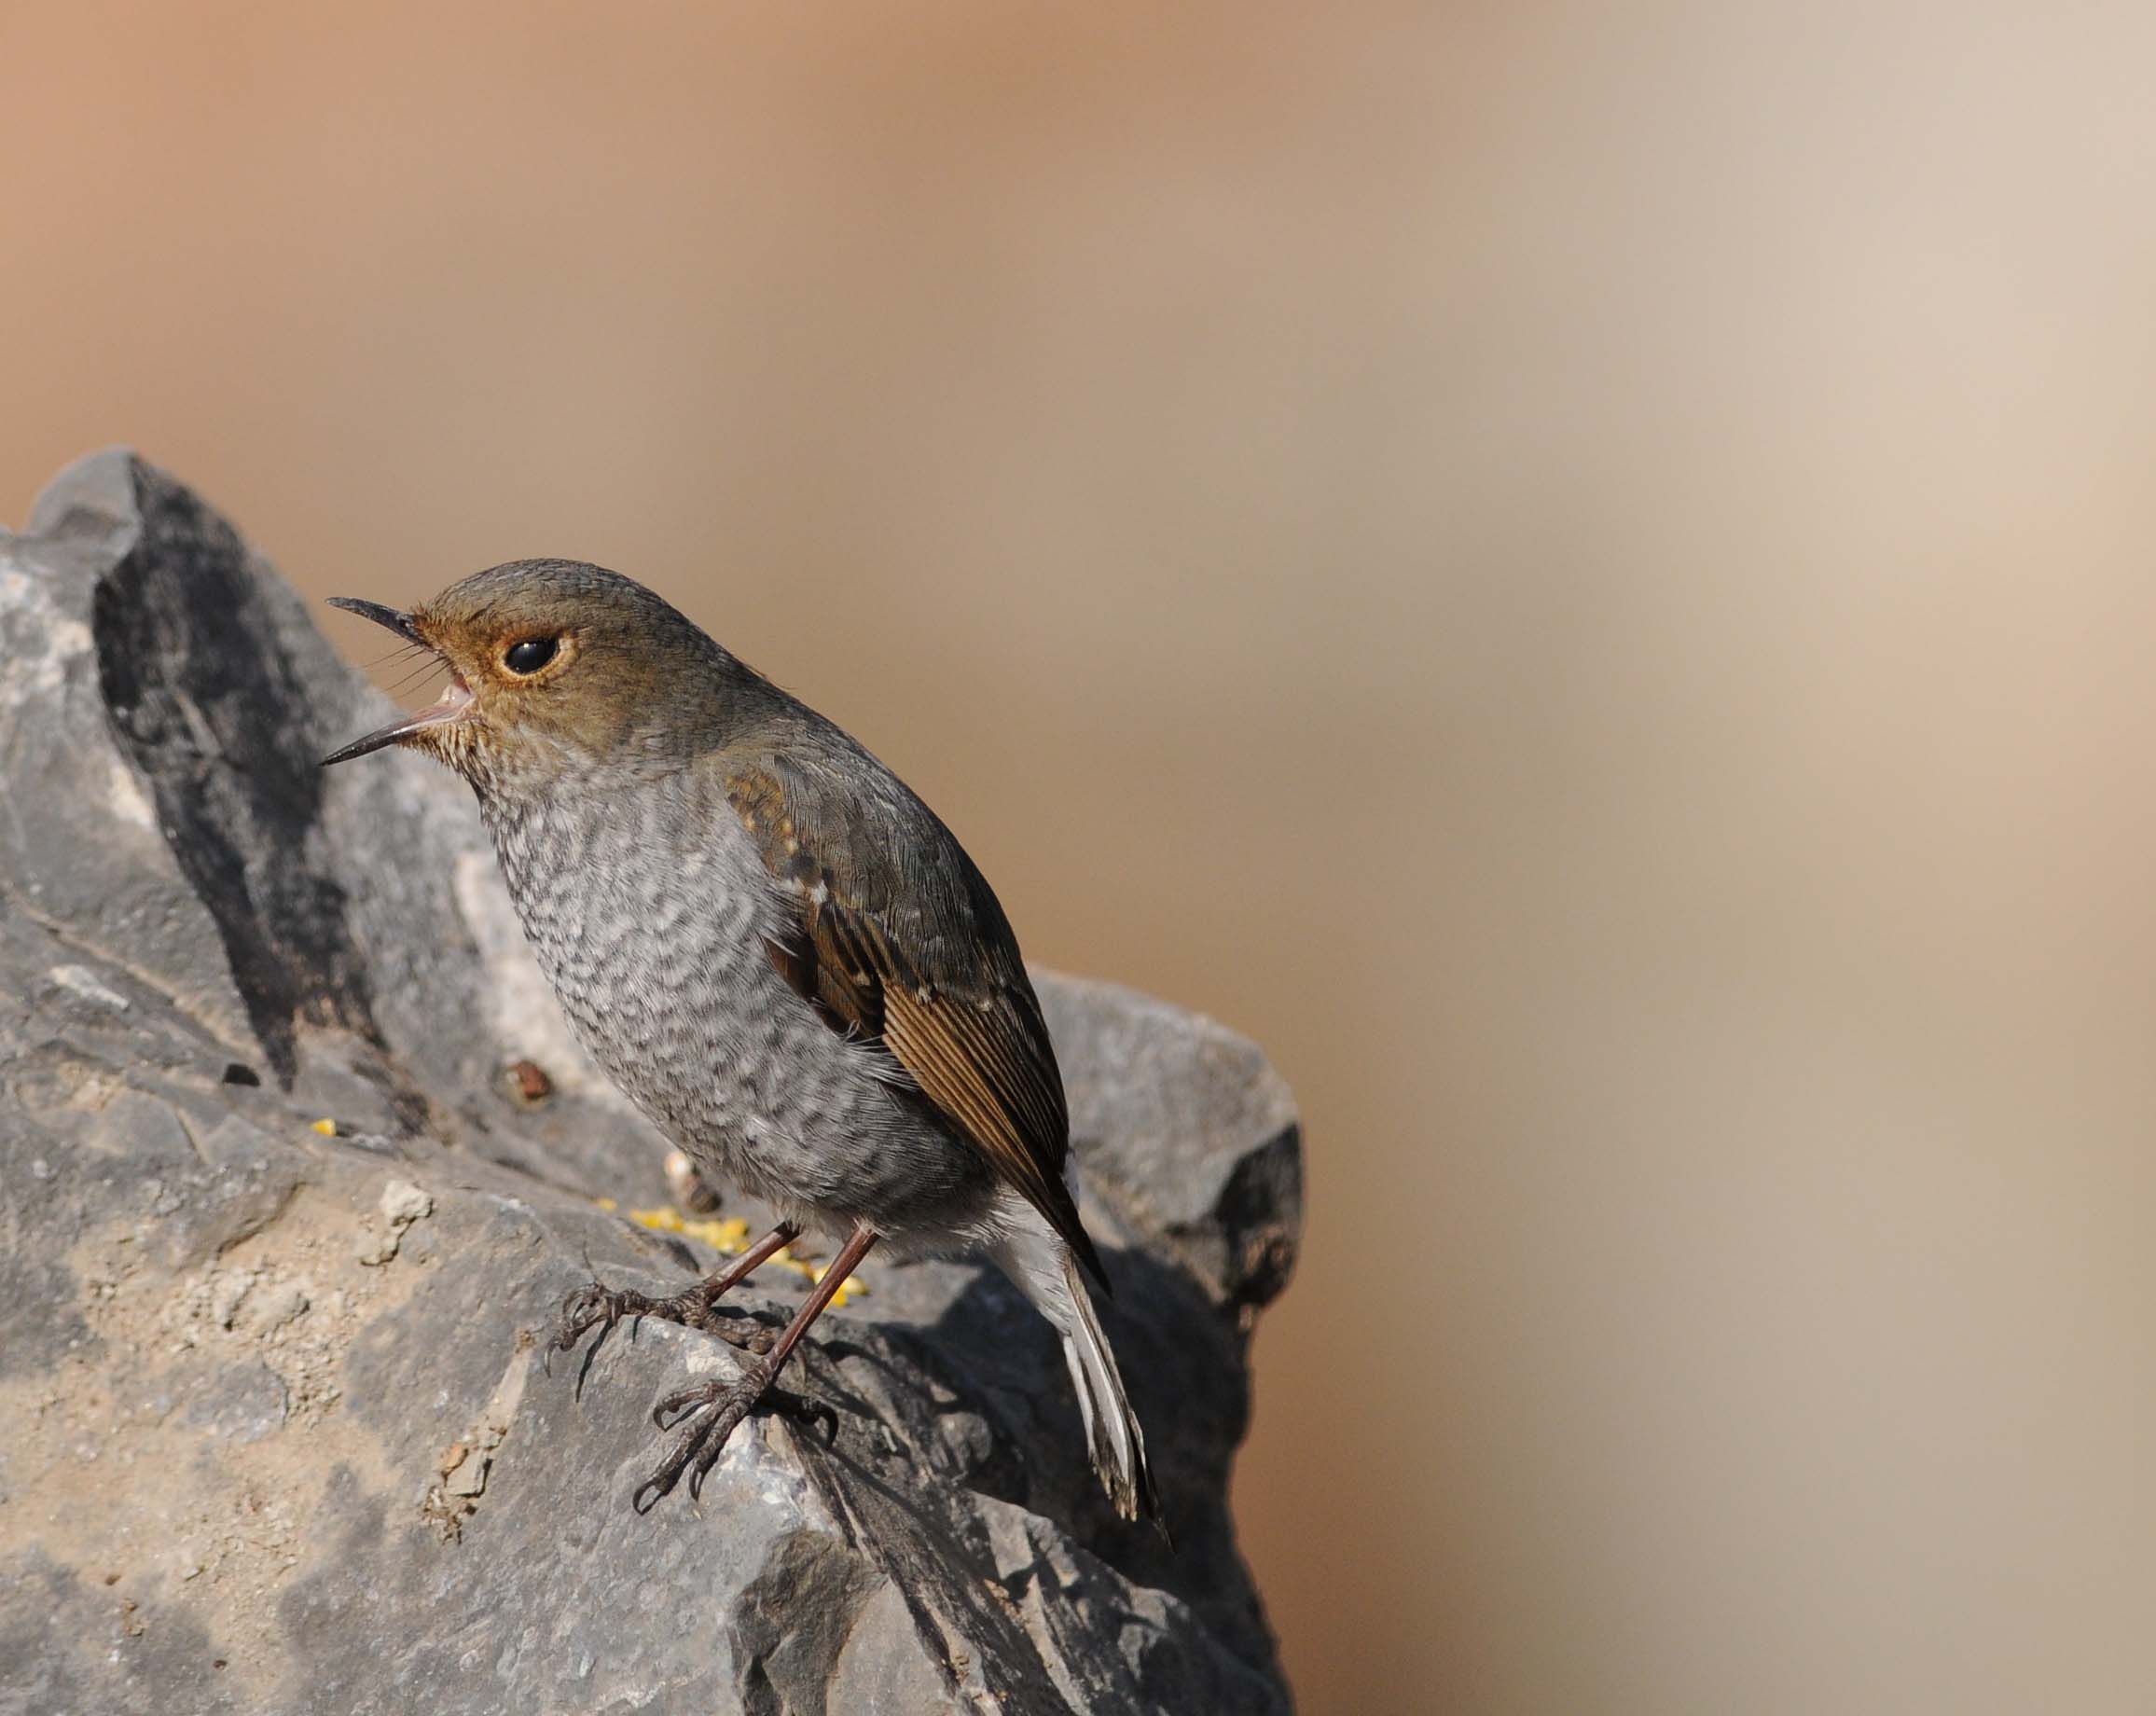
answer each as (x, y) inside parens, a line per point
(898, 939)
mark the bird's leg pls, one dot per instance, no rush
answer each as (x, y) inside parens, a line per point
(728, 1403)
(693, 1307)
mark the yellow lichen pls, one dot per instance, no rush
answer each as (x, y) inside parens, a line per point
(851, 1287)
(729, 1233)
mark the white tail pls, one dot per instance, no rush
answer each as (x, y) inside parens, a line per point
(1117, 1439)
(1034, 1256)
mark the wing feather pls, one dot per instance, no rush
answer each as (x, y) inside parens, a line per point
(948, 995)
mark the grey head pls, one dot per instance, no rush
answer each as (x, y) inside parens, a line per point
(557, 664)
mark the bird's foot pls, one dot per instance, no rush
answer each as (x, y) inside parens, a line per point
(709, 1413)
(601, 1307)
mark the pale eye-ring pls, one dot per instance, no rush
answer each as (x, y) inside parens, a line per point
(529, 655)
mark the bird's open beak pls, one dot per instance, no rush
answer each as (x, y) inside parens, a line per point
(456, 697)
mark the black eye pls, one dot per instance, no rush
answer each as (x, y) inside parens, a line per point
(529, 655)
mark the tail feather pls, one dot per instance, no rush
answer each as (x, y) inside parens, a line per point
(1111, 1428)
(1046, 1269)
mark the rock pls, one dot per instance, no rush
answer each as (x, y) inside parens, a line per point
(404, 1203)
(242, 1470)
(273, 1308)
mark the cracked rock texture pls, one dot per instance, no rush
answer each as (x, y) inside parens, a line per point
(275, 1433)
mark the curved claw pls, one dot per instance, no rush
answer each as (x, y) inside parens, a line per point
(661, 1482)
(817, 1412)
(582, 1309)
(681, 1409)
(649, 1493)
(595, 1305)
(710, 1458)
(704, 1432)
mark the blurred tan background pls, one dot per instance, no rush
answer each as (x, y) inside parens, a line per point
(1585, 574)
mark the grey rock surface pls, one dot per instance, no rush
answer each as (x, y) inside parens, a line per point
(276, 1428)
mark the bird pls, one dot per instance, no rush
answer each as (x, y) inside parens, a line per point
(779, 954)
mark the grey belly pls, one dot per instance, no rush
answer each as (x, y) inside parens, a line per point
(673, 993)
